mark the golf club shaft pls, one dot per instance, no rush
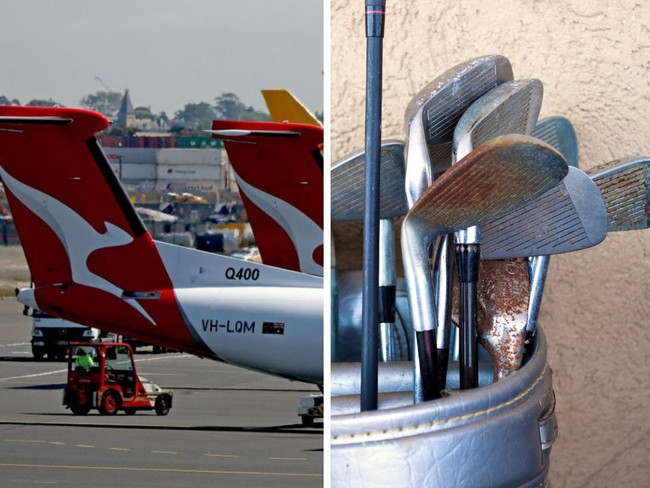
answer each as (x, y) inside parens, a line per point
(369, 366)
(387, 284)
(442, 269)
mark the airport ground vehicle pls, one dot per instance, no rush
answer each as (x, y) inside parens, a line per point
(103, 376)
(51, 335)
(310, 408)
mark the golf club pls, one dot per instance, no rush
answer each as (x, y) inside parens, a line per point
(347, 197)
(494, 179)
(430, 118)
(511, 108)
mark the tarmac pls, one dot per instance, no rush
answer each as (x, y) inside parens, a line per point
(228, 426)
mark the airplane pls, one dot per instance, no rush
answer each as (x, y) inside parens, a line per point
(93, 261)
(278, 168)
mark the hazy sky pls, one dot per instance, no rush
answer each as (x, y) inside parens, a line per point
(167, 52)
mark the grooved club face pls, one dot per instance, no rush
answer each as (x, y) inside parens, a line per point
(625, 187)
(495, 178)
(559, 133)
(510, 108)
(569, 217)
(348, 184)
(434, 112)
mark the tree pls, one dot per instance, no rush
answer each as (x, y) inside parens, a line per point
(43, 103)
(107, 103)
(5, 101)
(228, 106)
(196, 115)
(143, 113)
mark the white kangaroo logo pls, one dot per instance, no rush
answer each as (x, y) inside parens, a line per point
(305, 234)
(78, 237)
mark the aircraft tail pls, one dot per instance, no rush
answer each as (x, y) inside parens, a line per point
(284, 107)
(279, 171)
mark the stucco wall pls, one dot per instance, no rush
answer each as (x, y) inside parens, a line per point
(594, 60)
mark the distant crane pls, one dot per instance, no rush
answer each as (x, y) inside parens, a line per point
(108, 88)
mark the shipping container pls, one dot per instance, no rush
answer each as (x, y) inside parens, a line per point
(189, 156)
(167, 172)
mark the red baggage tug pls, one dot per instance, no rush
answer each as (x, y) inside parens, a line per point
(103, 376)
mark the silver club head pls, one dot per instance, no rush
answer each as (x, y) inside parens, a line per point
(432, 114)
(494, 179)
(625, 187)
(569, 217)
(510, 108)
(348, 184)
(559, 133)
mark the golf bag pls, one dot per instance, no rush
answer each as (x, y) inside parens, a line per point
(499, 435)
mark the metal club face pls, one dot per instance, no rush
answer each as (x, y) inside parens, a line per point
(432, 114)
(510, 108)
(348, 184)
(495, 178)
(569, 217)
(625, 187)
(559, 133)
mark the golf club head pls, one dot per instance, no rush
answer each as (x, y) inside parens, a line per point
(625, 187)
(348, 184)
(510, 108)
(559, 133)
(494, 179)
(569, 217)
(432, 114)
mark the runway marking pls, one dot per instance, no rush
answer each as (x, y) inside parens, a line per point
(164, 452)
(26, 441)
(14, 344)
(222, 455)
(118, 449)
(161, 470)
(34, 375)
(287, 459)
(56, 443)
(88, 446)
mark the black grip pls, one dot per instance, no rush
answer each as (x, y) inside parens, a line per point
(429, 372)
(375, 15)
(387, 304)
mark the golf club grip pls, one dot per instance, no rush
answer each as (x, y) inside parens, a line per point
(387, 304)
(375, 11)
(428, 356)
(467, 266)
(468, 337)
(443, 363)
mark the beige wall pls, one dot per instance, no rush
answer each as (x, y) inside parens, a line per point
(594, 60)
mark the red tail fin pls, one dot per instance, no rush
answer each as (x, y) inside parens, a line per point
(90, 256)
(279, 171)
